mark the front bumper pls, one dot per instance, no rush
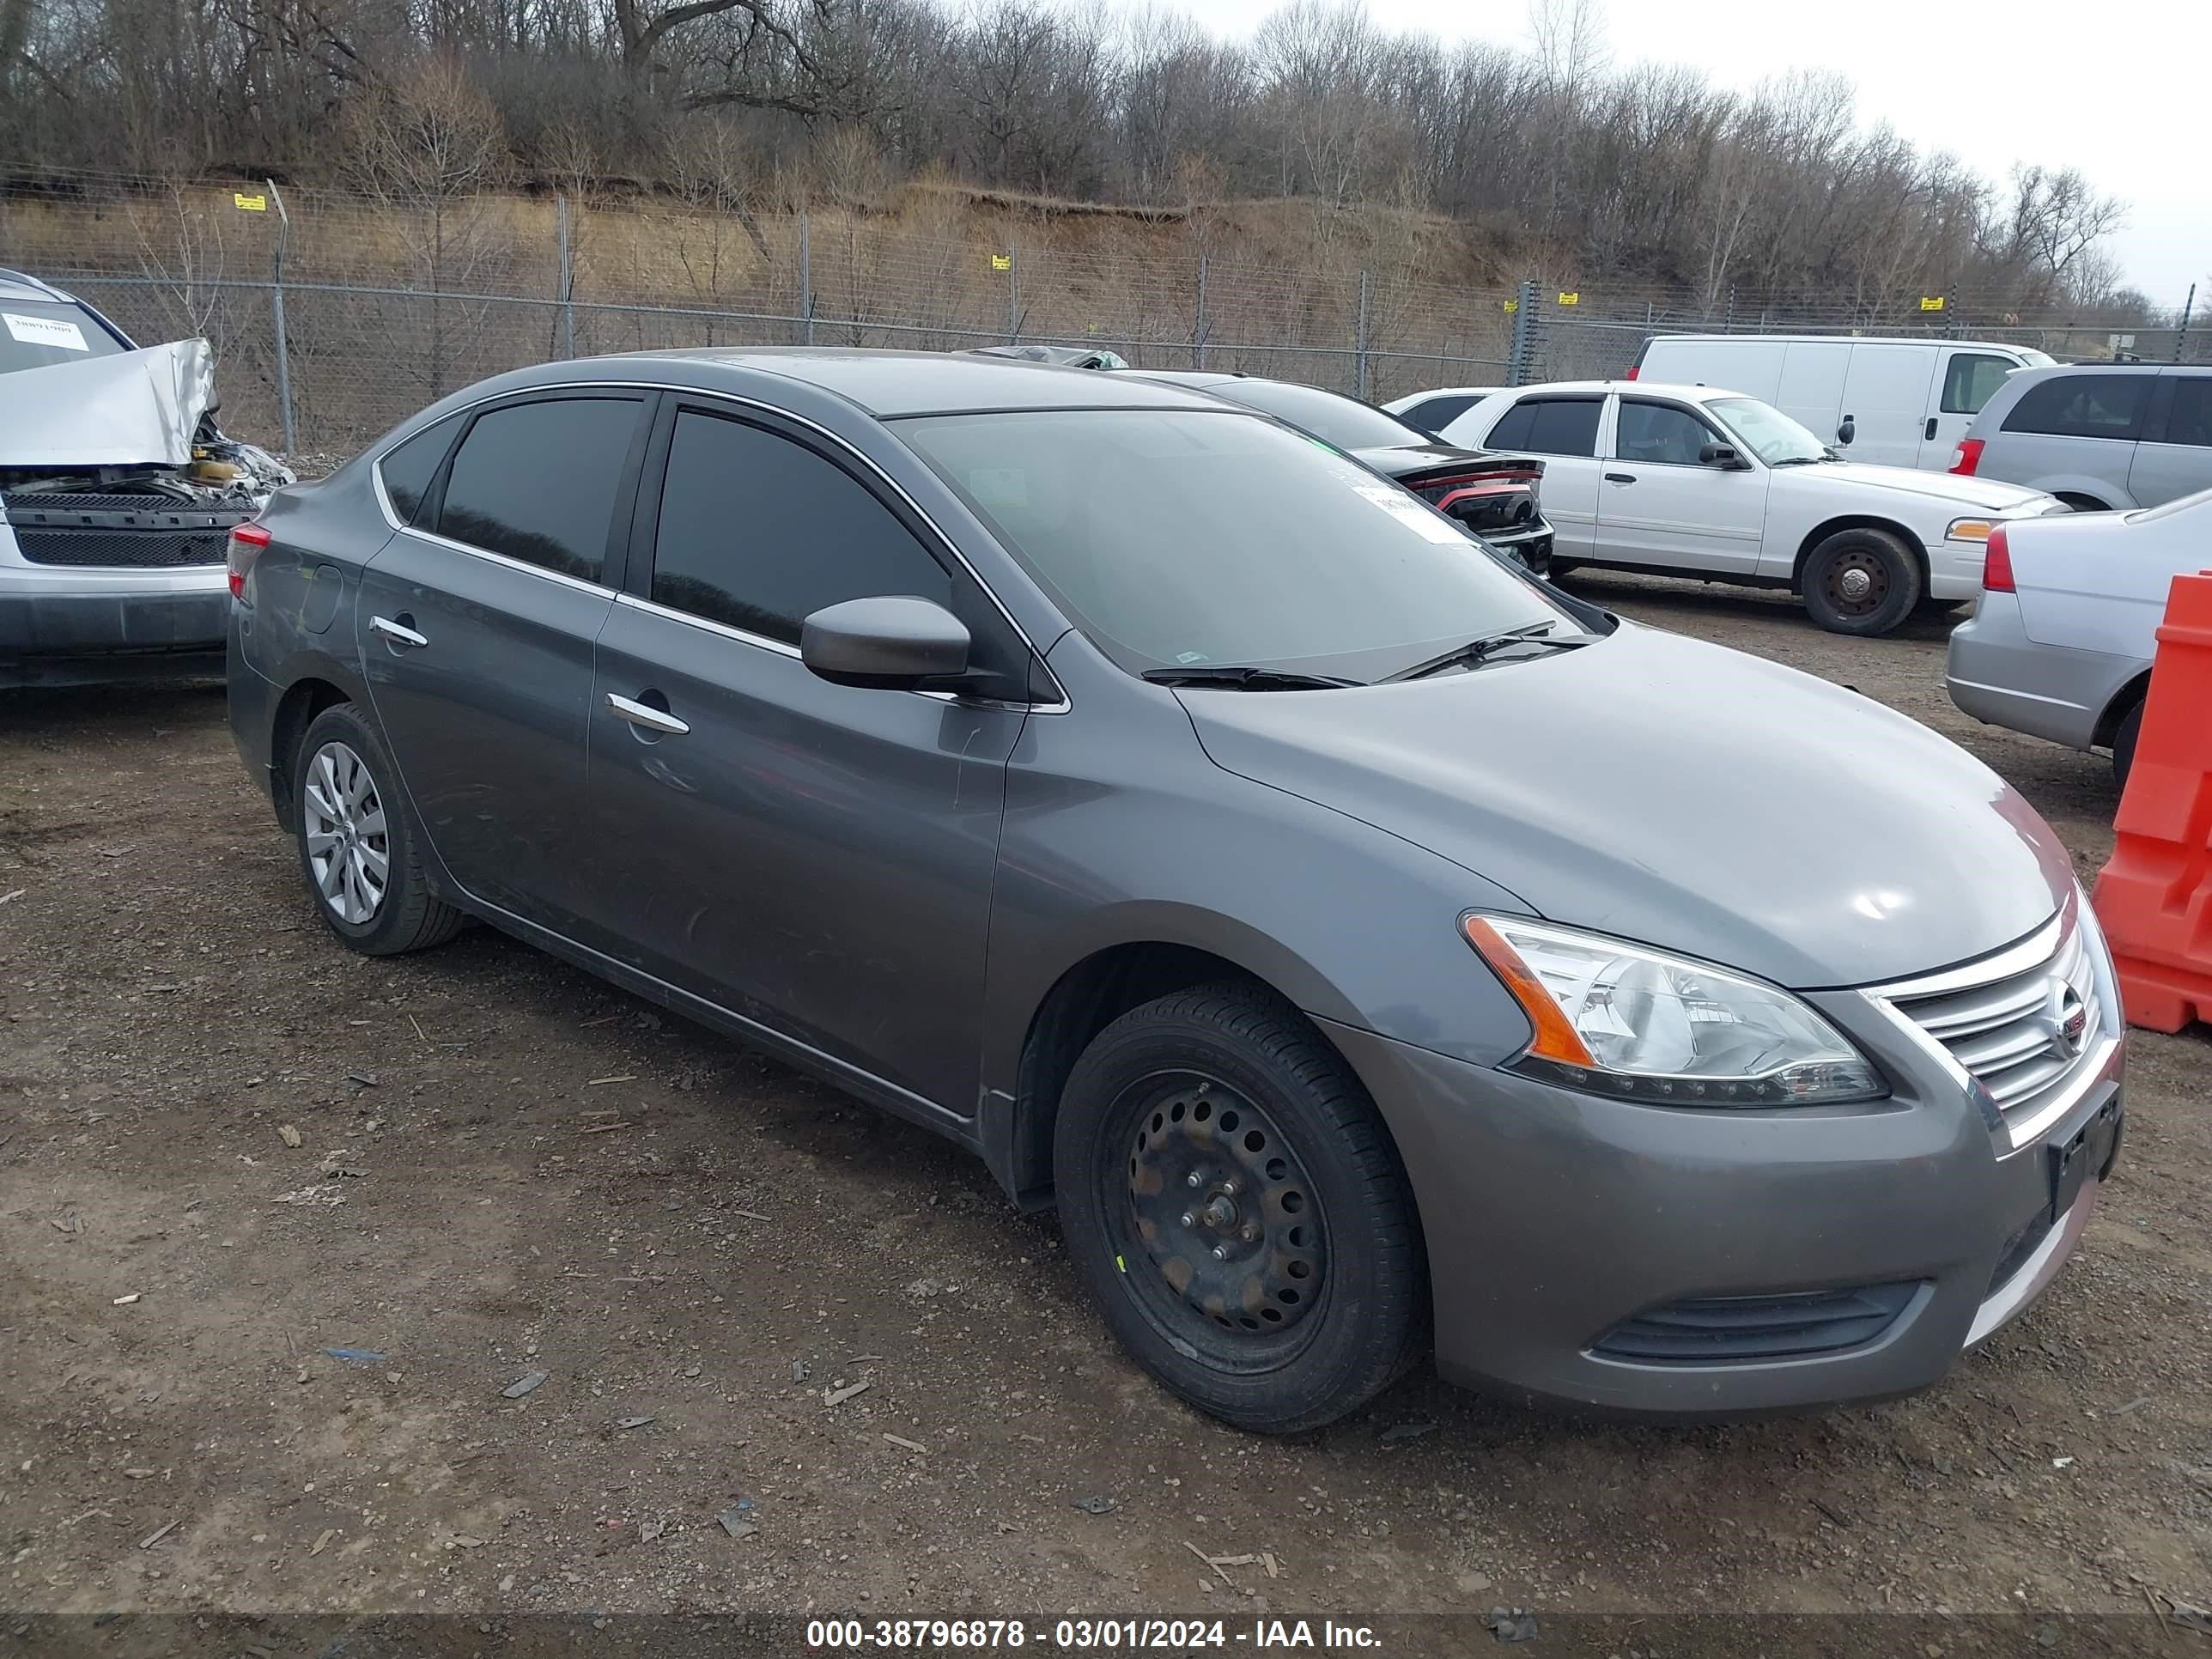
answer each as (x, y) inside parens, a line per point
(1997, 674)
(1553, 1219)
(109, 631)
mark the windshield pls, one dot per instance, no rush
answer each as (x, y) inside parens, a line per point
(1766, 432)
(1330, 417)
(1179, 537)
(36, 332)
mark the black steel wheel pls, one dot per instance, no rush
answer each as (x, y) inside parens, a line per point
(1239, 1211)
(1863, 581)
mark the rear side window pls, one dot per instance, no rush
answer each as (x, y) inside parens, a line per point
(1971, 380)
(2189, 418)
(408, 468)
(1435, 414)
(537, 482)
(1557, 426)
(757, 532)
(2082, 406)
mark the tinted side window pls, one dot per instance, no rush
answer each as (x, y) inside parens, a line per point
(537, 482)
(408, 468)
(1971, 380)
(757, 532)
(2082, 406)
(1513, 429)
(2189, 420)
(1564, 426)
(1659, 434)
(1435, 414)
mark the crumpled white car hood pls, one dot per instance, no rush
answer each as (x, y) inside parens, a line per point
(130, 410)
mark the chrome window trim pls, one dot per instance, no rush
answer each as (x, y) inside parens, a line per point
(743, 636)
(383, 505)
(510, 561)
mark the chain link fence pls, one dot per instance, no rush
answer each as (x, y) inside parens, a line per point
(335, 315)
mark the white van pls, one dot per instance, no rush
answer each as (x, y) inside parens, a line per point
(1896, 403)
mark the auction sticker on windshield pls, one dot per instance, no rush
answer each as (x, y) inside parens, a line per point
(46, 332)
(1410, 513)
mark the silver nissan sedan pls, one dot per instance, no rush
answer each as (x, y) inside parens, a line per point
(1368, 949)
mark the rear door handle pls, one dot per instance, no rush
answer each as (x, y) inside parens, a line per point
(644, 714)
(1931, 427)
(1620, 477)
(398, 633)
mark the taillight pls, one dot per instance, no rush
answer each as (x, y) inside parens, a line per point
(1968, 456)
(1633, 369)
(246, 542)
(1997, 562)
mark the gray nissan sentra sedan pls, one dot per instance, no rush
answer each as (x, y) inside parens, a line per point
(1365, 948)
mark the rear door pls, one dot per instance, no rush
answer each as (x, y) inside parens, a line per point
(1563, 430)
(1969, 380)
(1658, 506)
(475, 636)
(817, 858)
(1885, 399)
(2175, 456)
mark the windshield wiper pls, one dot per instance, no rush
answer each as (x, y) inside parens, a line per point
(1245, 677)
(1477, 651)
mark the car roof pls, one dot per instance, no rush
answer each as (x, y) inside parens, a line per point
(1837, 339)
(890, 384)
(20, 285)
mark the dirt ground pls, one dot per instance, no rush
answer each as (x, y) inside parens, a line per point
(228, 1148)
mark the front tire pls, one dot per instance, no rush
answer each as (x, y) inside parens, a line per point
(1862, 581)
(357, 844)
(1238, 1210)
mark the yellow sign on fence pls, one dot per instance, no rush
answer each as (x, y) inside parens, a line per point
(250, 203)
(1002, 262)
(1512, 304)
(1574, 298)
(1932, 302)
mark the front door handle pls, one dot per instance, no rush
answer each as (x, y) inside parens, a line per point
(1620, 477)
(645, 716)
(398, 633)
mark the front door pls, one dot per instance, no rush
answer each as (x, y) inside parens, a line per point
(476, 630)
(1969, 378)
(816, 858)
(1658, 505)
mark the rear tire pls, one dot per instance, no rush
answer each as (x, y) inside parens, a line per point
(358, 846)
(1238, 1210)
(1862, 581)
(2123, 745)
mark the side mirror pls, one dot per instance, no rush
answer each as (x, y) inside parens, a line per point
(890, 644)
(1722, 456)
(1847, 431)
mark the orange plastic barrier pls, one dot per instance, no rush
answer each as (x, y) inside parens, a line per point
(2154, 894)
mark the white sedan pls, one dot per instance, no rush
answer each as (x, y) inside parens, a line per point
(1690, 481)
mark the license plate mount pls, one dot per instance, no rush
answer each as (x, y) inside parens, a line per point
(2083, 1156)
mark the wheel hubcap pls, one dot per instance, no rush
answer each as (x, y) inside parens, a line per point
(348, 853)
(1858, 583)
(1223, 1210)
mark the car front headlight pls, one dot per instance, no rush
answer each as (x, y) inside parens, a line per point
(1621, 1019)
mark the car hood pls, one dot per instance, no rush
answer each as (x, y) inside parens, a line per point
(135, 408)
(1968, 495)
(1664, 790)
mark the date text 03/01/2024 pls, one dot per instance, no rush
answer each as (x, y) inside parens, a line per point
(1169, 1635)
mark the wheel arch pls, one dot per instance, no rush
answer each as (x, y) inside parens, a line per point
(303, 700)
(1088, 994)
(1841, 521)
(2136, 688)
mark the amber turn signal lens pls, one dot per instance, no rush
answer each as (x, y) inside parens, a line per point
(1555, 1036)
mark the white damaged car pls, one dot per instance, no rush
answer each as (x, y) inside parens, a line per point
(1693, 480)
(117, 494)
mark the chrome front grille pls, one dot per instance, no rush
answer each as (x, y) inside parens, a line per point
(2024, 1025)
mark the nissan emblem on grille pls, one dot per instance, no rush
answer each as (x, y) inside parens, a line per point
(2069, 1019)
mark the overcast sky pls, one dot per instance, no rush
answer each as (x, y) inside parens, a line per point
(2123, 91)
